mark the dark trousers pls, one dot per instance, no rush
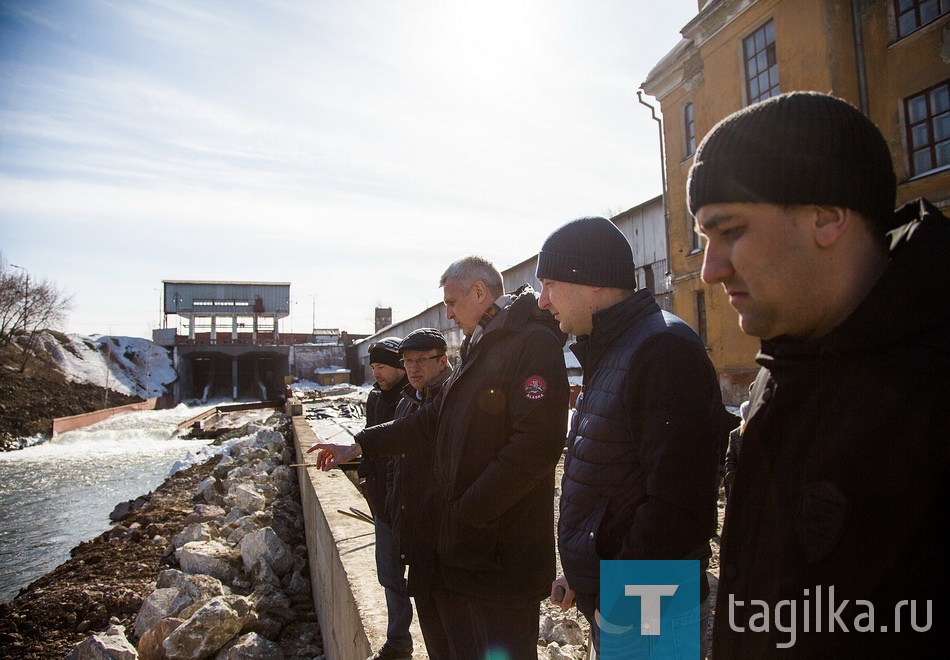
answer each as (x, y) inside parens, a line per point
(392, 575)
(460, 628)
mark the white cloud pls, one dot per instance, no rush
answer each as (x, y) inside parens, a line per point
(351, 148)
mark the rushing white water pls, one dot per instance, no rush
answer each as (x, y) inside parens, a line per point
(59, 493)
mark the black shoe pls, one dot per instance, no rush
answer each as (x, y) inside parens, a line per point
(389, 653)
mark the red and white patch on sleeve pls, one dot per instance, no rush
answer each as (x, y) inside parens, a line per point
(535, 388)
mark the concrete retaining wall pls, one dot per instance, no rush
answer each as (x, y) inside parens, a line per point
(63, 424)
(350, 603)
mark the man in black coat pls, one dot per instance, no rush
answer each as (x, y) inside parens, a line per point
(423, 354)
(641, 475)
(833, 540)
(498, 432)
(381, 405)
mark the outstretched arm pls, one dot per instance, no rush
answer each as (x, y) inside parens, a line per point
(329, 455)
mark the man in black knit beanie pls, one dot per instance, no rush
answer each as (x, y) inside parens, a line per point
(832, 540)
(641, 475)
(390, 377)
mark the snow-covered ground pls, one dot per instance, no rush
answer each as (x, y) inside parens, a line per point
(128, 365)
(301, 388)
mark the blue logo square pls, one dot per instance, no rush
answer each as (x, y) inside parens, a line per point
(649, 609)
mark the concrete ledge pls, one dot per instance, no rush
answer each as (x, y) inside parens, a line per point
(350, 603)
(63, 424)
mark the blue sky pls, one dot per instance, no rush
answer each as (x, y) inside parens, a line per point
(353, 148)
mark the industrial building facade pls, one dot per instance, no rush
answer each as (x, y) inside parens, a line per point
(889, 58)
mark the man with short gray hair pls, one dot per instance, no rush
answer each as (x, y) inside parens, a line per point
(498, 432)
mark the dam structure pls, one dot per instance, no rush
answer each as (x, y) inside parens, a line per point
(232, 347)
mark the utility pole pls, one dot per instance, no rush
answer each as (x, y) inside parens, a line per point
(313, 320)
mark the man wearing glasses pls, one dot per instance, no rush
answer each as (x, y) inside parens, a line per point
(427, 368)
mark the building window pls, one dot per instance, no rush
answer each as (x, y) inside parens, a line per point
(701, 316)
(689, 128)
(649, 278)
(696, 243)
(913, 14)
(928, 129)
(761, 65)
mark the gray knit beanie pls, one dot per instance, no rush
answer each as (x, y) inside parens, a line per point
(796, 148)
(589, 251)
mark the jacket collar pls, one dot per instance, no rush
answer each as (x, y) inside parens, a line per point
(520, 309)
(611, 322)
(908, 300)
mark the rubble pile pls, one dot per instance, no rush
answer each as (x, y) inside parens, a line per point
(237, 585)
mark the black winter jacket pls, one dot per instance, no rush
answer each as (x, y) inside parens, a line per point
(842, 480)
(380, 407)
(498, 432)
(409, 472)
(641, 476)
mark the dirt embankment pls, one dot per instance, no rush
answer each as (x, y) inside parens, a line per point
(29, 401)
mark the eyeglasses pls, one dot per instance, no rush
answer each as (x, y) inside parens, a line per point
(418, 362)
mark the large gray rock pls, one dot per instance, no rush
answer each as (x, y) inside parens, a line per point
(210, 558)
(265, 546)
(555, 651)
(210, 490)
(150, 644)
(199, 531)
(563, 630)
(262, 574)
(250, 647)
(246, 497)
(156, 606)
(110, 645)
(204, 513)
(296, 583)
(247, 524)
(234, 515)
(268, 597)
(271, 440)
(208, 629)
(168, 578)
(241, 445)
(283, 479)
(196, 589)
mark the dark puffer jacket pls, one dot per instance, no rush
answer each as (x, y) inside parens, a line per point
(498, 433)
(641, 475)
(842, 480)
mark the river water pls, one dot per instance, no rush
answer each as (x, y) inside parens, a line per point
(57, 494)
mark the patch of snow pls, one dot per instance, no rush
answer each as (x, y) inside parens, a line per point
(301, 387)
(129, 365)
(208, 452)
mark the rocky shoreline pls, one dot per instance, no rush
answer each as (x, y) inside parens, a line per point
(211, 564)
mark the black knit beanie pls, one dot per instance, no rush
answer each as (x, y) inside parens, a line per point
(385, 351)
(423, 339)
(796, 148)
(589, 251)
